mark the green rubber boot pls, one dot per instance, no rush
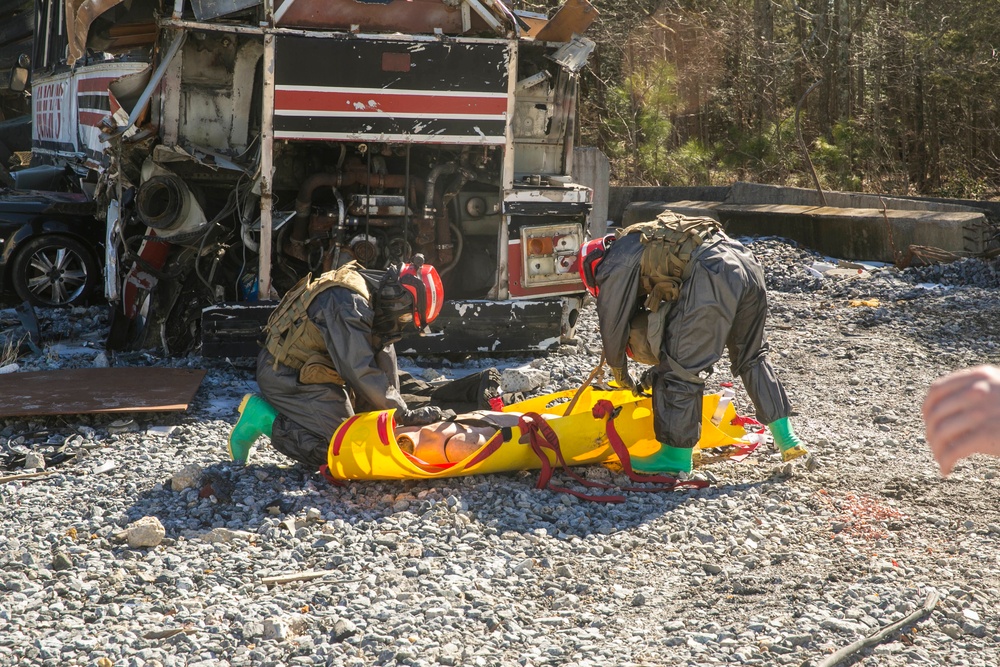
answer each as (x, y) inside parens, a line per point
(256, 418)
(784, 436)
(668, 460)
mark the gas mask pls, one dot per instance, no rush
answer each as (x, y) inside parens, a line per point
(393, 306)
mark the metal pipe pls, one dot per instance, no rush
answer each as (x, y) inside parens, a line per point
(303, 201)
(183, 24)
(406, 194)
(154, 82)
(266, 170)
(459, 246)
(338, 238)
(48, 30)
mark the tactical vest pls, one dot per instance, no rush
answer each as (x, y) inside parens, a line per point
(668, 243)
(294, 340)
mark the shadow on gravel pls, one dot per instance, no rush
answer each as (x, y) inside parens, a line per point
(584, 518)
(244, 497)
(227, 495)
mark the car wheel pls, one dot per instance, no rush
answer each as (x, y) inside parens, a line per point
(54, 271)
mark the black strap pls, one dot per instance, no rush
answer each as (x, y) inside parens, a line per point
(415, 282)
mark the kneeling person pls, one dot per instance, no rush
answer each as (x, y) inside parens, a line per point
(329, 354)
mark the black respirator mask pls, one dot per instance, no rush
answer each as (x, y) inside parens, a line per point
(393, 306)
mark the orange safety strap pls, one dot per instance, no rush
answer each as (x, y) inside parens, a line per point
(605, 409)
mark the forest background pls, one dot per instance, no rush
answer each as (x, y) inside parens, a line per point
(891, 96)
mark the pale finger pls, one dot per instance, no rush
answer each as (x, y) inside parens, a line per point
(983, 438)
(948, 387)
(943, 433)
(953, 416)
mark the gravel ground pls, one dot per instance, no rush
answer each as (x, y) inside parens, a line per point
(771, 565)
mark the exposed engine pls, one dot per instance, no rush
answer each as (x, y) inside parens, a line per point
(381, 204)
(376, 204)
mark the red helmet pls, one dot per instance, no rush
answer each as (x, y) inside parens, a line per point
(591, 255)
(424, 285)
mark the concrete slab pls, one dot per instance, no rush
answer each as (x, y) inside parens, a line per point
(863, 234)
(620, 197)
(743, 193)
(641, 211)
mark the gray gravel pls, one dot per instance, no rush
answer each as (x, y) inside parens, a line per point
(771, 565)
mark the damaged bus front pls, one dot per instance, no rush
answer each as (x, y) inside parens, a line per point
(261, 143)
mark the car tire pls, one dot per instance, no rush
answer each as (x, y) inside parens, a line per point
(54, 271)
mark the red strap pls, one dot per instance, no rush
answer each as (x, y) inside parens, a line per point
(541, 437)
(488, 449)
(324, 470)
(383, 428)
(746, 421)
(604, 408)
(742, 451)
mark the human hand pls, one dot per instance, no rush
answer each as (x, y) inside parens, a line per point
(962, 415)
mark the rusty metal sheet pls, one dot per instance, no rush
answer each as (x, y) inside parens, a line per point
(574, 17)
(94, 390)
(534, 21)
(79, 15)
(408, 16)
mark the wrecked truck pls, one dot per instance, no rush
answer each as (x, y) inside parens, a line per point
(260, 142)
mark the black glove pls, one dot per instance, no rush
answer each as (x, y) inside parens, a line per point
(423, 416)
(646, 381)
(625, 379)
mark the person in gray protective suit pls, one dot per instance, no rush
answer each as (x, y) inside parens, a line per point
(674, 293)
(329, 354)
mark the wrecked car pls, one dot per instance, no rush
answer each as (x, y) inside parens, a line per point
(51, 247)
(245, 145)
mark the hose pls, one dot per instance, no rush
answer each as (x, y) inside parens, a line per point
(459, 245)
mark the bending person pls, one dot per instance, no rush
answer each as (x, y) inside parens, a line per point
(682, 291)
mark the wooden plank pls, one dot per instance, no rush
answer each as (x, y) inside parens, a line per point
(97, 390)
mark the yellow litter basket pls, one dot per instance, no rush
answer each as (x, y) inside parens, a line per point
(365, 446)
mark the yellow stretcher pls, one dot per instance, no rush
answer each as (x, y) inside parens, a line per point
(365, 447)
